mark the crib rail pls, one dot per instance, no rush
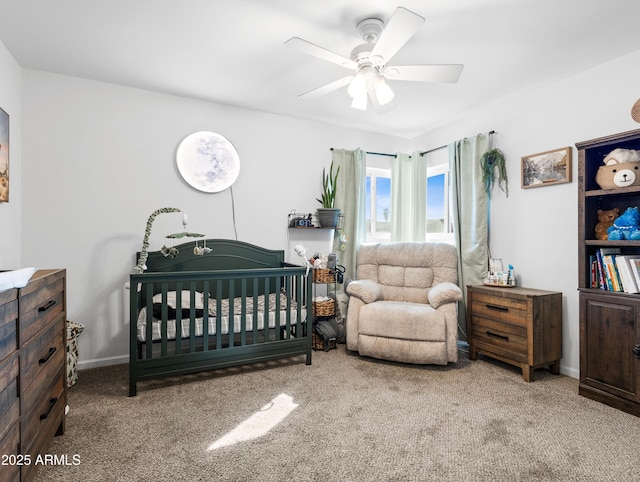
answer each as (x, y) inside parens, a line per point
(222, 318)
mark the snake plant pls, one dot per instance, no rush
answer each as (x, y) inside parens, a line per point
(328, 187)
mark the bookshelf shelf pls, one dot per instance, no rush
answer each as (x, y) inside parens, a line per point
(609, 320)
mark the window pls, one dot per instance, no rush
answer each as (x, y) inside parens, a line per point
(439, 226)
(378, 199)
(378, 204)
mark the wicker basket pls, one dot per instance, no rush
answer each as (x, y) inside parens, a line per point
(323, 275)
(324, 308)
(317, 343)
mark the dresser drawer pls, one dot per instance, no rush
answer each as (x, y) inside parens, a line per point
(41, 302)
(44, 353)
(8, 322)
(9, 446)
(510, 310)
(44, 416)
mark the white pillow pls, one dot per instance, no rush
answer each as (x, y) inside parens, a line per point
(186, 299)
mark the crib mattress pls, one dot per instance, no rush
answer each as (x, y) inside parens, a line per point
(260, 319)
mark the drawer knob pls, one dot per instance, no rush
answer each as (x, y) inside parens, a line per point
(52, 403)
(636, 350)
(46, 306)
(45, 359)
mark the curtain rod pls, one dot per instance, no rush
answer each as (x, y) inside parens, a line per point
(374, 153)
(442, 147)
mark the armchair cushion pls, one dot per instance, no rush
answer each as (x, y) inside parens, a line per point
(367, 290)
(444, 293)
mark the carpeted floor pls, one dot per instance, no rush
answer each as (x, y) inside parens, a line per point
(349, 419)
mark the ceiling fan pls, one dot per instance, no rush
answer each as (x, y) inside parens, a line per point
(370, 61)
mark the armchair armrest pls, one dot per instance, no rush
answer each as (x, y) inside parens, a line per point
(366, 290)
(444, 293)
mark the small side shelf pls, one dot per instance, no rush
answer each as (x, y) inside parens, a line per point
(298, 220)
(323, 310)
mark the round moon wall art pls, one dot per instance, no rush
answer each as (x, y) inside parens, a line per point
(207, 161)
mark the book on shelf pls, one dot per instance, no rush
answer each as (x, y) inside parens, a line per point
(611, 272)
(634, 263)
(629, 283)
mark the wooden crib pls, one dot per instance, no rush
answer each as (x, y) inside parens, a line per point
(236, 305)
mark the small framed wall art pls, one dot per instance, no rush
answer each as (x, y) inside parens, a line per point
(207, 161)
(4, 156)
(547, 168)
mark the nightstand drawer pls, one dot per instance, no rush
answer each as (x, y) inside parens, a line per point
(502, 338)
(506, 309)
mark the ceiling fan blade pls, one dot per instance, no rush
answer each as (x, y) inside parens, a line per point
(449, 73)
(322, 53)
(325, 89)
(402, 25)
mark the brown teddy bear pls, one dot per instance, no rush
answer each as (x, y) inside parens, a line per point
(605, 220)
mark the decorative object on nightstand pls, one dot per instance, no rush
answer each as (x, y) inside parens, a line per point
(609, 311)
(519, 326)
(498, 275)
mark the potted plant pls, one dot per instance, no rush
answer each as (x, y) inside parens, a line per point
(490, 162)
(328, 214)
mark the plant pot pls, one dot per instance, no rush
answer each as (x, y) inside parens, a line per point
(328, 217)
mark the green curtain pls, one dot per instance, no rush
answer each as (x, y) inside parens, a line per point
(408, 197)
(350, 197)
(470, 213)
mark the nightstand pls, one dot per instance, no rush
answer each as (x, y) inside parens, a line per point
(519, 326)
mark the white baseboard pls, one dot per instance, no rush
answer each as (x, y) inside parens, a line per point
(103, 362)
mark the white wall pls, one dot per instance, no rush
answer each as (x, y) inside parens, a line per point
(10, 97)
(536, 229)
(98, 159)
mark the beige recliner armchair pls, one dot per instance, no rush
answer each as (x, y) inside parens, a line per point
(403, 306)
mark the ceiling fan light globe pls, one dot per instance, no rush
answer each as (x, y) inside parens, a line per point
(384, 94)
(360, 102)
(358, 86)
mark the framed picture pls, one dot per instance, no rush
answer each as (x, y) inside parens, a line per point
(547, 168)
(4, 156)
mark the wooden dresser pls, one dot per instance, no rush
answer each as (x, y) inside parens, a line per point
(519, 326)
(32, 372)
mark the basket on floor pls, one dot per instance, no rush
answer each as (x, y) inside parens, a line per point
(323, 275)
(318, 343)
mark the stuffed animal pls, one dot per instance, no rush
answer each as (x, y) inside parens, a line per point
(626, 226)
(621, 169)
(605, 221)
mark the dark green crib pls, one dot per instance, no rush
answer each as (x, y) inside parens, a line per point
(238, 304)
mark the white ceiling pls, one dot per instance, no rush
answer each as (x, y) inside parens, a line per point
(231, 51)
